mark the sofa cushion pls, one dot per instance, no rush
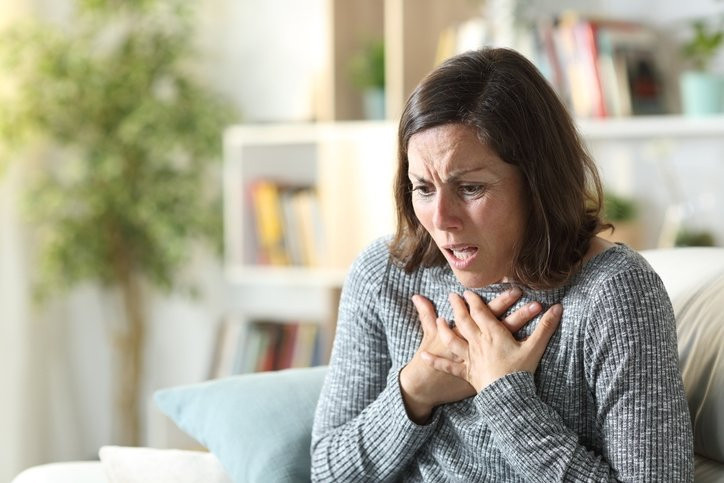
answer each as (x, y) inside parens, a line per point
(684, 268)
(700, 330)
(707, 471)
(258, 425)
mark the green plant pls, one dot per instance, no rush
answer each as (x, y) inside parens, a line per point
(701, 48)
(618, 208)
(124, 189)
(367, 66)
(694, 238)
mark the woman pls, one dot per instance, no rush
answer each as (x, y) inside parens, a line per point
(561, 363)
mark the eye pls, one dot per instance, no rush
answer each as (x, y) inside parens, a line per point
(422, 190)
(471, 190)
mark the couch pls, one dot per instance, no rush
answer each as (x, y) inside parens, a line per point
(257, 426)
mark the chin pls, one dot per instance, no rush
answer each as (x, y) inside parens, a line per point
(474, 280)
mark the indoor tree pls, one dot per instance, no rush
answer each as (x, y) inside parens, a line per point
(126, 187)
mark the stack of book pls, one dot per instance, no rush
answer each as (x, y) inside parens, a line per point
(288, 222)
(600, 67)
(267, 346)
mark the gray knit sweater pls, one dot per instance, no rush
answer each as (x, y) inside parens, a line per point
(606, 403)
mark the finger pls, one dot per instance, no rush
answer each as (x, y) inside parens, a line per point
(515, 321)
(463, 321)
(426, 313)
(457, 346)
(481, 314)
(538, 340)
(500, 304)
(442, 364)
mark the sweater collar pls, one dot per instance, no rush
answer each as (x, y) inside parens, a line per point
(445, 278)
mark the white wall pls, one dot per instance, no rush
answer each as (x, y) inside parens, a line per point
(265, 55)
(662, 173)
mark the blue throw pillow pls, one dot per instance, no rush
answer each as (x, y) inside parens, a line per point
(258, 425)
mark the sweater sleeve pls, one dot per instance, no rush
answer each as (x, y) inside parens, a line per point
(631, 365)
(361, 429)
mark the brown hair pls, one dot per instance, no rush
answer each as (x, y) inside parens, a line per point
(514, 111)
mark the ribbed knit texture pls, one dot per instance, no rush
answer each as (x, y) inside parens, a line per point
(606, 403)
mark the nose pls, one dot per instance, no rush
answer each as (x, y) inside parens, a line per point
(446, 213)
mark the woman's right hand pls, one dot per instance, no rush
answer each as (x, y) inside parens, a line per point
(423, 387)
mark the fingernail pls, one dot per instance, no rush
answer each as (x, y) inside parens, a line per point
(515, 292)
(557, 310)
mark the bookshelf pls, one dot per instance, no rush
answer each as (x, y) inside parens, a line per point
(349, 169)
(414, 30)
(410, 29)
(652, 127)
(348, 165)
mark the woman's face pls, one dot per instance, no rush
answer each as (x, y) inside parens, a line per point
(469, 200)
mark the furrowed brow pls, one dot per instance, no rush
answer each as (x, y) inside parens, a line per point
(414, 177)
(462, 172)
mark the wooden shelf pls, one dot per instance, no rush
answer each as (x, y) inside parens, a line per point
(651, 127)
(291, 133)
(272, 276)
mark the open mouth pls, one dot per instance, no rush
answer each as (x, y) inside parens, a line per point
(462, 253)
(460, 256)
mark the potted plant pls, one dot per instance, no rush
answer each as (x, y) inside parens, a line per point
(702, 91)
(621, 212)
(367, 72)
(124, 190)
(694, 238)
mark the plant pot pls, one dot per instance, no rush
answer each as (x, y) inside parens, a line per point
(702, 93)
(373, 103)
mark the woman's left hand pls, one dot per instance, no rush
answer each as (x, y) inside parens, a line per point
(487, 348)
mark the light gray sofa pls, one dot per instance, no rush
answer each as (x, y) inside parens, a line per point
(694, 278)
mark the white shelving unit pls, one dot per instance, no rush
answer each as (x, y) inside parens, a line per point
(350, 166)
(652, 127)
(671, 165)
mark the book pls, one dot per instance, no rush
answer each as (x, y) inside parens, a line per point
(309, 221)
(268, 218)
(304, 347)
(545, 58)
(585, 35)
(248, 360)
(286, 346)
(292, 229)
(566, 53)
(226, 348)
(267, 358)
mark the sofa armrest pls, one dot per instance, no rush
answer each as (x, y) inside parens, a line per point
(68, 472)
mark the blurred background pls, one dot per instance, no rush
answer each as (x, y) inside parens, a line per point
(184, 184)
